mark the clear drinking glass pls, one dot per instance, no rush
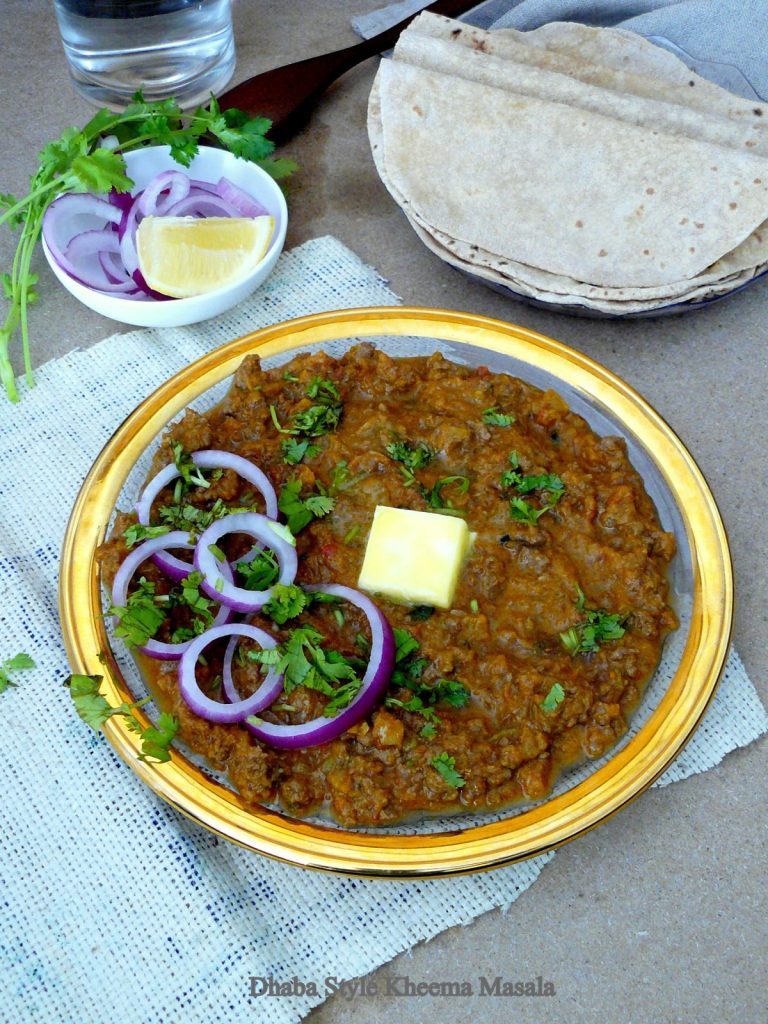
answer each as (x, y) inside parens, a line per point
(179, 48)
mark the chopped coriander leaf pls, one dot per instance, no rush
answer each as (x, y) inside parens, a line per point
(350, 535)
(438, 503)
(188, 594)
(411, 456)
(94, 710)
(428, 731)
(287, 601)
(338, 614)
(421, 612)
(554, 698)
(303, 662)
(217, 553)
(137, 532)
(445, 765)
(406, 644)
(451, 692)
(343, 698)
(140, 618)
(415, 705)
(184, 516)
(156, 739)
(295, 451)
(323, 389)
(290, 376)
(301, 511)
(260, 573)
(494, 418)
(17, 663)
(474, 607)
(522, 512)
(191, 475)
(595, 629)
(276, 421)
(317, 419)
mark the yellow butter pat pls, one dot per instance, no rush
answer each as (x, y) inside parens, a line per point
(414, 557)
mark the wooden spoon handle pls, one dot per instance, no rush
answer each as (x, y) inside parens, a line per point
(286, 94)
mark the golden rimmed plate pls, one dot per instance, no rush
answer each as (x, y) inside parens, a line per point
(673, 704)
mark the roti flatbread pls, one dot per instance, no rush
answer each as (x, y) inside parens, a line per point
(563, 189)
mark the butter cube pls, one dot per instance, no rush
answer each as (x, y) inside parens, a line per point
(414, 557)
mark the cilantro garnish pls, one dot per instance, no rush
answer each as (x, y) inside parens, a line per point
(287, 601)
(95, 710)
(140, 617)
(299, 511)
(408, 673)
(17, 663)
(554, 698)
(260, 573)
(494, 418)
(595, 628)
(138, 532)
(317, 419)
(295, 451)
(549, 485)
(412, 456)
(445, 765)
(79, 162)
(434, 496)
(303, 662)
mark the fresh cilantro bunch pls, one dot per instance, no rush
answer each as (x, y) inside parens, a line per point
(91, 159)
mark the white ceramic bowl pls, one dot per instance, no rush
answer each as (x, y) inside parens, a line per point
(208, 165)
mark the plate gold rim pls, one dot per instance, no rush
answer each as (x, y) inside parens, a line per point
(528, 833)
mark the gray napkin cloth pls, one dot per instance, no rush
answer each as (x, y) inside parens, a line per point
(725, 41)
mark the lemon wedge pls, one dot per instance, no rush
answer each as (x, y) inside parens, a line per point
(185, 256)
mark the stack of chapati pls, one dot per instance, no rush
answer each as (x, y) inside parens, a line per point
(574, 165)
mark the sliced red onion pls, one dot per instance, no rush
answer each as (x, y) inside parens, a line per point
(206, 707)
(245, 205)
(127, 235)
(153, 203)
(61, 210)
(208, 458)
(374, 683)
(124, 575)
(122, 200)
(202, 205)
(253, 525)
(140, 282)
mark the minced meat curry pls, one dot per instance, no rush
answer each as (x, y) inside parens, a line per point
(558, 619)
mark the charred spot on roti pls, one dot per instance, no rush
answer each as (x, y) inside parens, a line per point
(456, 32)
(417, 110)
(650, 191)
(698, 224)
(646, 252)
(758, 112)
(757, 181)
(732, 206)
(691, 83)
(579, 223)
(602, 253)
(684, 220)
(691, 248)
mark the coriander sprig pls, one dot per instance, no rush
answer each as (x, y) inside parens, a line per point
(91, 159)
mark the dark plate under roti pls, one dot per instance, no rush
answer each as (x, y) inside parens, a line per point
(674, 701)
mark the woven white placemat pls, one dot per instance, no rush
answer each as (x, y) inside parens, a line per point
(113, 907)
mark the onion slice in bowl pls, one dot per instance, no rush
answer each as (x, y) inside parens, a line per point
(374, 683)
(207, 458)
(260, 528)
(214, 711)
(142, 553)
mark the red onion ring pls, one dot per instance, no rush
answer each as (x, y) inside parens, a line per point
(207, 458)
(253, 525)
(152, 202)
(377, 676)
(242, 203)
(206, 707)
(203, 205)
(124, 575)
